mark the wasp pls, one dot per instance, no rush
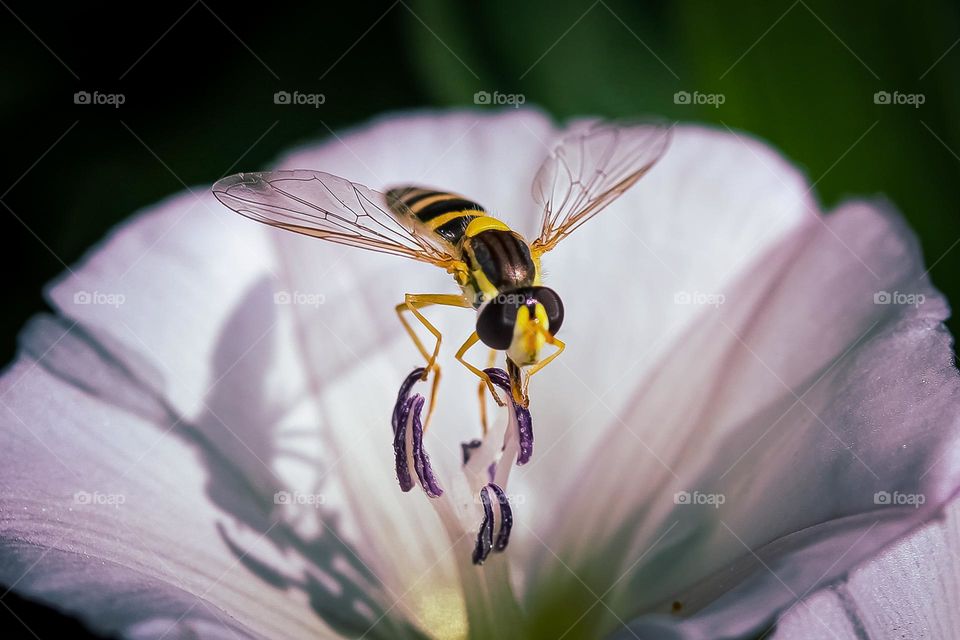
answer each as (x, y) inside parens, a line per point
(497, 269)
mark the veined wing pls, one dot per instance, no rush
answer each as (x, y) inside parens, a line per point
(590, 169)
(332, 208)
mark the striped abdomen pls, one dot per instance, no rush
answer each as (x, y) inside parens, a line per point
(446, 214)
(498, 260)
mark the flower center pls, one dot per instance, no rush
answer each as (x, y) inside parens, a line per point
(485, 466)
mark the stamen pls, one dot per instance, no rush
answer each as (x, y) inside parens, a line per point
(500, 378)
(402, 396)
(428, 480)
(496, 511)
(506, 519)
(485, 534)
(408, 441)
(485, 466)
(400, 413)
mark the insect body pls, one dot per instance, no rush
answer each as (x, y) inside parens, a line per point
(496, 258)
(498, 270)
(501, 278)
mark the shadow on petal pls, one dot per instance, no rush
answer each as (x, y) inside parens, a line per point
(237, 438)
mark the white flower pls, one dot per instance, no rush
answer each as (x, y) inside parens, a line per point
(212, 455)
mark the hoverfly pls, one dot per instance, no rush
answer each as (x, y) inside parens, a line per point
(497, 270)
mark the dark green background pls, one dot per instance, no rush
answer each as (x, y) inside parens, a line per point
(199, 81)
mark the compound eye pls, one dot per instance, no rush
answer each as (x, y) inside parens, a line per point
(552, 305)
(495, 324)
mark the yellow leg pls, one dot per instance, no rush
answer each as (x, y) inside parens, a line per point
(472, 340)
(413, 302)
(491, 360)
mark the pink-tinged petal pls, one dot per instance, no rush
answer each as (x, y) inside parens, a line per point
(691, 226)
(822, 613)
(109, 519)
(911, 590)
(249, 360)
(747, 466)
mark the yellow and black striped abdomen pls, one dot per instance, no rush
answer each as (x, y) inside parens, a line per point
(446, 214)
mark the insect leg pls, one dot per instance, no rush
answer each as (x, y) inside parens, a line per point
(485, 379)
(413, 302)
(491, 360)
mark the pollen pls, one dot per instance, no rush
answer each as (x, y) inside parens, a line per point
(444, 613)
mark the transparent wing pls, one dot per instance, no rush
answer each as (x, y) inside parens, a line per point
(590, 169)
(325, 206)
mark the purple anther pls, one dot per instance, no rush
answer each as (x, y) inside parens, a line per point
(485, 534)
(500, 378)
(406, 416)
(506, 518)
(496, 508)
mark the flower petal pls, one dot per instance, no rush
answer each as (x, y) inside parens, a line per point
(260, 350)
(729, 462)
(693, 225)
(270, 394)
(108, 519)
(911, 590)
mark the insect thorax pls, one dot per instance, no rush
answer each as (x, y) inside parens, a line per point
(498, 260)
